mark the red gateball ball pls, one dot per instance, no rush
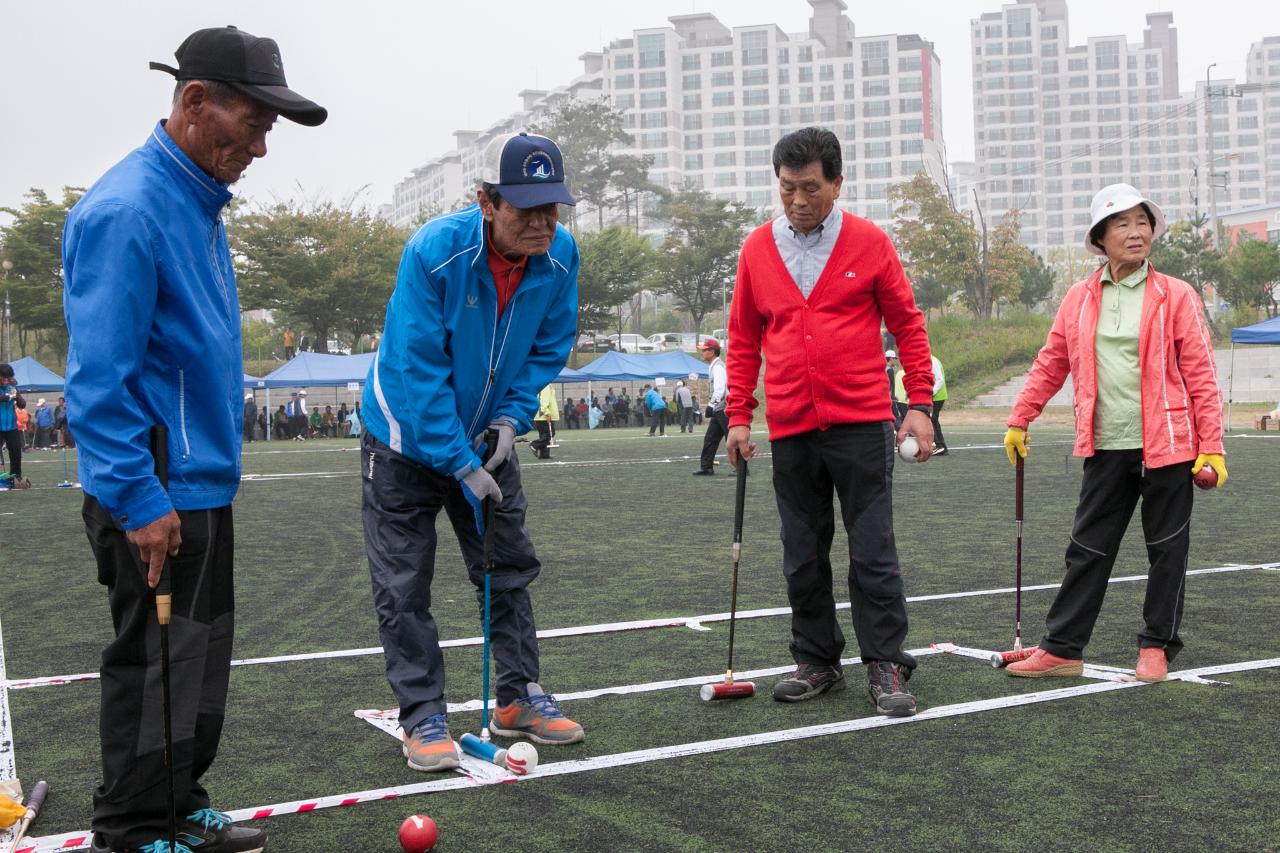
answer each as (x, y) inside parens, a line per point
(1206, 477)
(418, 834)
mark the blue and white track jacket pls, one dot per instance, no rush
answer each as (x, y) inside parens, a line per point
(448, 365)
(151, 305)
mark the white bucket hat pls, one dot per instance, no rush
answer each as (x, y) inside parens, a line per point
(1117, 198)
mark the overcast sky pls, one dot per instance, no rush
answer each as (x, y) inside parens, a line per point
(399, 77)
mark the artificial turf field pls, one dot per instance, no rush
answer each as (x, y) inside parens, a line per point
(625, 534)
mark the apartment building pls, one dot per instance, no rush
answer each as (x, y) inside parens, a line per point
(1055, 121)
(707, 101)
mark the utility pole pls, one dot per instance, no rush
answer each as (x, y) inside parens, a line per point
(1213, 195)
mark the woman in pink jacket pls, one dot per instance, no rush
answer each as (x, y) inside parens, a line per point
(1148, 418)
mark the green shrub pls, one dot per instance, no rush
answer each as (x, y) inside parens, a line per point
(977, 355)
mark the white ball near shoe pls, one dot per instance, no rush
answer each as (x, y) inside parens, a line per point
(909, 448)
(522, 758)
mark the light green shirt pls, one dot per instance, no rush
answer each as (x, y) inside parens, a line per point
(1117, 419)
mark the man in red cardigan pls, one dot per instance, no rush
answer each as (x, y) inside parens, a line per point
(813, 287)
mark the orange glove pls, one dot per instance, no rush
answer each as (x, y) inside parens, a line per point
(11, 811)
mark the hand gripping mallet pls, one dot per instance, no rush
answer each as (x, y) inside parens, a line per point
(164, 611)
(34, 802)
(730, 689)
(999, 659)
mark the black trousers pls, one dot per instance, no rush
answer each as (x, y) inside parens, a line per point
(717, 429)
(1112, 483)
(130, 806)
(937, 425)
(855, 462)
(13, 444)
(401, 502)
(658, 420)
(685, 415)
(541, 444)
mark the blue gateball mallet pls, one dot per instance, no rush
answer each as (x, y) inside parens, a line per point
(66, 481)
(491, 440)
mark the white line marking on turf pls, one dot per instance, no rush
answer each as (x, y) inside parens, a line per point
(75, 841)
(618, 627)
(8, 763)
(386, 720)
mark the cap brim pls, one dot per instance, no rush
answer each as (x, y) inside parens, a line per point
(536, 195)
(286, 102)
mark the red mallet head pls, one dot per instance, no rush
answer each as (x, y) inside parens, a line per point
(727, 690)
(1001, 659)
(418, 834)
(1206, 477)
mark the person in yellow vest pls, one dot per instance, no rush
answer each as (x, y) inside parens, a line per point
(548, 414)
(939, 397)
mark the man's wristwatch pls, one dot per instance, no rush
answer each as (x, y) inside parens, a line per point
(922, 407)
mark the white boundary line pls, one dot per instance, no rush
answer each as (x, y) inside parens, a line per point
(8, 761)
(695, 623)
(76, 841)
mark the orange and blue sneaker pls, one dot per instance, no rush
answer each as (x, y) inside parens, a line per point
(537, 717)
(429, 748)
(1042, 664)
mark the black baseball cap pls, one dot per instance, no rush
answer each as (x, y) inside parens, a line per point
(247, 63)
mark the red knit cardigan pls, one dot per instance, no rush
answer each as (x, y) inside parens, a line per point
(823, 359)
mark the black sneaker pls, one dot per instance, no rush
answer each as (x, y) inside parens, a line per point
(210, 831)
(703, 472)
(809, 680)
(888, 682)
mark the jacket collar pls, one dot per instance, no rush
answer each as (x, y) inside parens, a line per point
(539, 264)
(209, 194)
(1154, 278)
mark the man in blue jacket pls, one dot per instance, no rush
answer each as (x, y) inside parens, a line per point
(151, 304)
(483, 316)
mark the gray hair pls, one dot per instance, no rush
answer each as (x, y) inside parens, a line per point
(219, 92)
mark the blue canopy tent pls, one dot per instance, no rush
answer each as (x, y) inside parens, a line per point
(1266, 332)
(621, 367)
(315, 369)
(34, 376)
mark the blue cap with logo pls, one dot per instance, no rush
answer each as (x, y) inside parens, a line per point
(528, 170)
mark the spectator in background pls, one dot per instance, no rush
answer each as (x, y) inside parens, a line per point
(12, 404)
(657, 406)
(357, 424)
(44, 425)
(717, 421)
(548, 413)
(60, 422)
(316, 422)
(594, 415)
(262, 422)
(939, 397)
(250, 417)
(344, 424)
(329, 423)
(584, 413)
(897, 390)
(290, 343)
(281, 428)
(684, 407)
(28, 426)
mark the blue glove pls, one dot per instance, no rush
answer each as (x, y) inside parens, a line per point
(477, 486)
(502, 449)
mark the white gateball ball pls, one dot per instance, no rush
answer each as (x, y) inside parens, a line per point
(909, 448)
(522, 758)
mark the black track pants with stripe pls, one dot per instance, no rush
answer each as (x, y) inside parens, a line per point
(1113, 482)
(130, 806)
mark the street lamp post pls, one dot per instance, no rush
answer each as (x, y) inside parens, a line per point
(7, 265)
(1208, 121)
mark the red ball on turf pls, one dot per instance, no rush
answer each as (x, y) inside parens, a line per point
(1206, 477)
(418, 834)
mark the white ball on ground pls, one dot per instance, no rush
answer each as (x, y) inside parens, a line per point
(909, 448)
(522, 758)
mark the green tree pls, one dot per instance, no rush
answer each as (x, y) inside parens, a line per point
(1038, 279)
(615, 263)
(941, 246)
(699, 255)
(32, 242)
(323, 268)
(1254, 267)
(1184, 253)
(585, 130)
